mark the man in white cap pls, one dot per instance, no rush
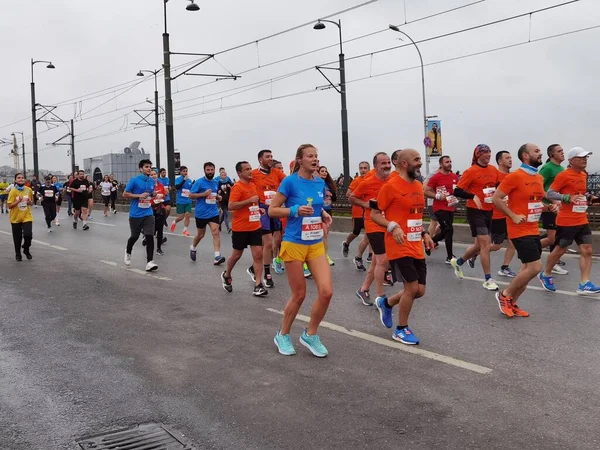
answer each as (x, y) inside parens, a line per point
(570, 187)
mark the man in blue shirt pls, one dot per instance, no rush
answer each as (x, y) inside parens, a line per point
(141, 218)
(165, 181)
(184, 203)
(205, 191)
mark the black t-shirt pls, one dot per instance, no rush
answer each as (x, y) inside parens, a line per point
(48, 193)
(224, 190)
(115, 188)
(76, 184)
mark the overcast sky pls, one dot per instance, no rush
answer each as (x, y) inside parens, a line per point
(541, 92)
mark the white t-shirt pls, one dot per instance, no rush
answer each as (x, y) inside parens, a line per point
(105, 187)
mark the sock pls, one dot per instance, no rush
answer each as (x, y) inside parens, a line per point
(401, 327)
(84, 222)
(503, 267)
(487, 276)
(460, 261)
(267, 269)
(385, 302)
(185, 229)
(192, 248)
(217, 254)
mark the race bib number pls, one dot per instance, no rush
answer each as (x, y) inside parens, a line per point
(534, 211)
(23, 204)
(48, 194)
(211, 199)
(145, 203)
(185, 193)
(414, 230)
(452, 200)
(68, 189)
(312, 228)
(580, 206)
(488, 193)
(254, 213)
(269, 196)
(105, 193)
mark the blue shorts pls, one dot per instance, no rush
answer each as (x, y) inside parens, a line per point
(269, 224)
(3, 197)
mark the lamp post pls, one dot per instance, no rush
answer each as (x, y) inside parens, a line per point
(320, 25)
(157, 137)
(398, 30)
(22, 149)
(168, 101)
(33, 116)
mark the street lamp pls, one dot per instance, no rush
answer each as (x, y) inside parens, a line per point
(157, 137)
(398, 30)
(33, 116)
(320, 25)
(22, 149)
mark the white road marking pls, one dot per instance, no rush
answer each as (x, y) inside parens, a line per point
(138, 271)
(178, 234)
(534, 288)
(389, 343)
(57, 247)
(92, 223)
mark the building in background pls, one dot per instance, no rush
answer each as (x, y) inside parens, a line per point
(122, 165)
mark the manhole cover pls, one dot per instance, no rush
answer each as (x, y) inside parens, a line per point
(142, 437)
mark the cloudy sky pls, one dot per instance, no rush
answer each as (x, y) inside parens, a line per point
(538, 92)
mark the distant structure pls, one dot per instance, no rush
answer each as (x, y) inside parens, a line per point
(122, 165)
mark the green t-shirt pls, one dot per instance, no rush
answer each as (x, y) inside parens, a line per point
(549, 171)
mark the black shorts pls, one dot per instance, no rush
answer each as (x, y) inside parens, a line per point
(581, 234)
(480, 221)
(201, 223)
(431, 213)
(377, 242)
(144, 225)
(80, 202)
(529, 248)
(167, 202)
(499, 231)
(242, 239)
(106, 199)
(548, 220)
(59, 200)
(358, 224)
(408, 270)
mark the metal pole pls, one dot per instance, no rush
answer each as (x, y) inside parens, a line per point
(34, 126)
(345, 144)
(424, 113)
(72, 148)
(168, 105)
(24, 167)
(156, 129)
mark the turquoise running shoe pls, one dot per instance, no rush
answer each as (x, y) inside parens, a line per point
(313, 343)
(284, 344)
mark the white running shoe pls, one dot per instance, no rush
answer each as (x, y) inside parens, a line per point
(151, 266)
(127, 259)
(559, 270)
(490, 285)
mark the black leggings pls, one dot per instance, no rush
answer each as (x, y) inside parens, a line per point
(49, 212)
(445, 219)
(22, 232)
(159, 225)
(113, 199)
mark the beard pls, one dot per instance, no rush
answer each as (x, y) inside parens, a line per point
(537, 163)
(209, 176)
(413, 173)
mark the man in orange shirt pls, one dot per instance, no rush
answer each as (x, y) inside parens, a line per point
(358, 219)
(478, 184)
(525, 191)
(246, 228)
(570, 187)
(366, 191)
(401, 202)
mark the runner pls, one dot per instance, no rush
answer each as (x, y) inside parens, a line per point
(35, 185)
(303, 195)
(572, 224)
(105, 187)
(277, 165)
(361, 196)
(4, 194)
(556, 156)
(243, 202)
(48, 194)
(267, 181)
(165, 181)
(440, 188)
(79, 190)
(477, 185)
(184, 204)
(225, 185)
(402, 200)
(59, 188)
(277, 265)
(114, 192)
(499, 228)
(68, 194)
(19, 203)
(525, 191)
(358, 220)
(90, 197)
(141, 219)
(330, 197)
(204, 190)
(159, 211)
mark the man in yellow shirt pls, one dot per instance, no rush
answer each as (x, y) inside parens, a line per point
(3, 194)
(19, 202)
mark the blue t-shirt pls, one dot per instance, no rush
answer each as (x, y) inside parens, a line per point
(206, 207)
(138, 185)
(298, 191)
(165, 182)
(59, 186)
(182, 193)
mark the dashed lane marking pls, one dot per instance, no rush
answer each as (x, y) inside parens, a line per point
(138, 271)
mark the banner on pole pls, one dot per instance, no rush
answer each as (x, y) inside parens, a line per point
(177, 162)
(433, 140)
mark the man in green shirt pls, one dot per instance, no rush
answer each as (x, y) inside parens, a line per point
(548, 171)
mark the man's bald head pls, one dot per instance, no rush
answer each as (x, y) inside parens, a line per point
(409, 161)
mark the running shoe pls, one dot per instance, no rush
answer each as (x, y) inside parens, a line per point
(588, 288)
(284, 344)
(307, 273)
(260, 291)
(160, 252)
(313, 343)
(561, 262)
(250, 271)
(330, 261)
(127, 259)
(449, 259)
(490, 285)
(268, 280)
(506, 272)
(345, 249)
(74, 225)
(173, 226)
(114, 211)
(226, 282)
(387, 279)
(457, 269)
(358, 262)
(547, 282)
(49, 230)
(19, 257)
(559, 270)
(186, 233)
(219, 260)
(365, 297)
(519, 312)
(505, 304)
(193, 254)
(385, 313)
(90, 218)
(471, 262)
(370, 257)
(57, 223)
(85, 227)
(164, 240)
(151, 266)
(278, 266)
(27, 254)
(406, 336)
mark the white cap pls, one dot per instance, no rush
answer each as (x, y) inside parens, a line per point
(577, 152)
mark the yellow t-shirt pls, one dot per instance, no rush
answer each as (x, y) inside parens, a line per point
(22, 212)
(3, 187)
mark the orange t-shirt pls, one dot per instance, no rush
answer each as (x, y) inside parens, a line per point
(497, 214)
(482, 182)
(403, 202)
(267, 184)
(575, 183)
(248, 217)
(365, 191)
(357, 211)
(525, 193)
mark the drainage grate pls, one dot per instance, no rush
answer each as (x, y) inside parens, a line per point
(142, 437)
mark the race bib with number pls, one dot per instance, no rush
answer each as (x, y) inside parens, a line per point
(254, 213)
(23, 204)
(145, 203)
(312, 228)
(185, 193)
(105, 193)
(488, 193)
(534, 211)
(211, 199)
(269, 196)
(452, 200)
(414, 230)
(49, 194)
(580, 206)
